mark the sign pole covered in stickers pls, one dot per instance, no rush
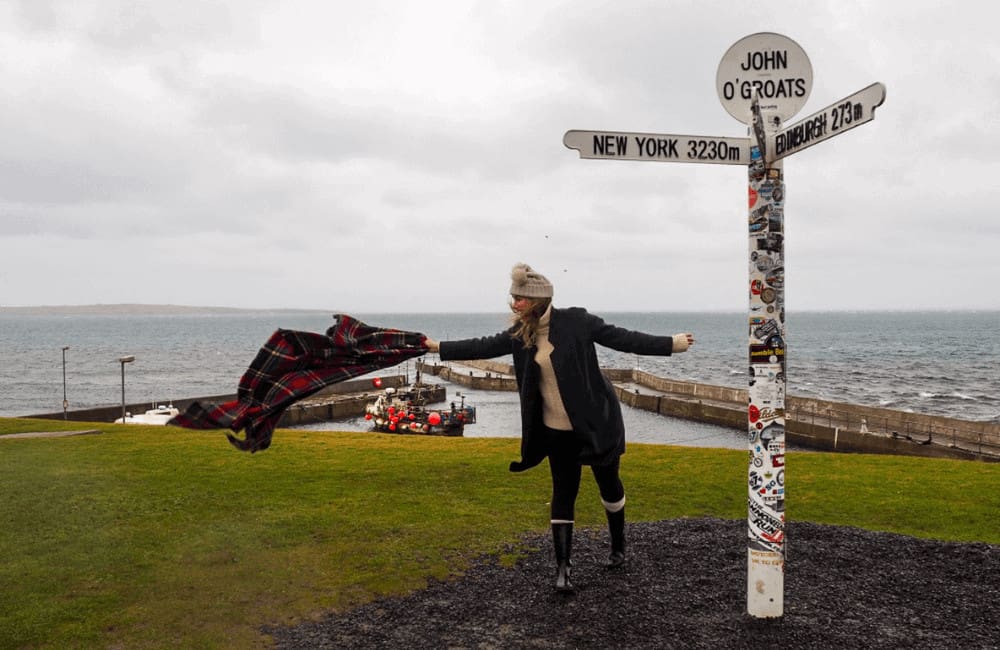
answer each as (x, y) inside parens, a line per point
(763, 80)
(766, 409)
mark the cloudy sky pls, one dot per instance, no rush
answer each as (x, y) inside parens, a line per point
(401, 156)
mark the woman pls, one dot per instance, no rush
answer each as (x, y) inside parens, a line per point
(569, 411)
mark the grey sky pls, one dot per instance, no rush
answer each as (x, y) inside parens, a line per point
(396, 156)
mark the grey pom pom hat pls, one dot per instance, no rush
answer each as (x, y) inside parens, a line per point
(527, 282)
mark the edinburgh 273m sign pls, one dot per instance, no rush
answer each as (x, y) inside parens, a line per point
(833, 120)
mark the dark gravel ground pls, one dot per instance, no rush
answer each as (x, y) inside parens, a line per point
(685, 587)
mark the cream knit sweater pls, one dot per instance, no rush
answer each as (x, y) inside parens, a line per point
(554, 413)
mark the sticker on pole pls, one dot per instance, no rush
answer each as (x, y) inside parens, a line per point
(769, 65)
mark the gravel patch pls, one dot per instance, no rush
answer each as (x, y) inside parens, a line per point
(685, 587)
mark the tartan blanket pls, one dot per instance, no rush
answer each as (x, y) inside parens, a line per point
(293, 365)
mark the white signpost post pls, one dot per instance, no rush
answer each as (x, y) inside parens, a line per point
(762, 80)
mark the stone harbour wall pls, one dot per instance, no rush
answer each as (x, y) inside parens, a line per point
(810, 422)
(338, 400)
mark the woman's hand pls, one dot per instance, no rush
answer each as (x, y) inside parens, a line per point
(432, 345)
(683, 341)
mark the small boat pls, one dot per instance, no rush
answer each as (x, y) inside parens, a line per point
(407, 412)
(155, 415)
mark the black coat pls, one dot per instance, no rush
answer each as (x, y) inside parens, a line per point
(588, 396)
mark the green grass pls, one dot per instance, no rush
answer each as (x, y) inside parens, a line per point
(152, 536)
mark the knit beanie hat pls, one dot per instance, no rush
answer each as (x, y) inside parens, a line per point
(527, 282)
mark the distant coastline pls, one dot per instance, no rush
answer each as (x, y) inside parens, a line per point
(135, 309)
(139, 309)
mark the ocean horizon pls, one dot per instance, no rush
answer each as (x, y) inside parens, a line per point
(130, 308)
(934, 362)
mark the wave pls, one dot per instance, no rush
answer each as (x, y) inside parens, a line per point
(954, 395)
(191, 356)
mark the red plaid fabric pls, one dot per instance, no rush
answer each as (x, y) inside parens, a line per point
(293, 365)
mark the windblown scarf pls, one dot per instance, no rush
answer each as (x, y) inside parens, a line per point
(293, 365)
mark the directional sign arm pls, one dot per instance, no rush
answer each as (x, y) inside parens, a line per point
(852, 111)
(617, 145)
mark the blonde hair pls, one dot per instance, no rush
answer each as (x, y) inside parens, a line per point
(524, 325)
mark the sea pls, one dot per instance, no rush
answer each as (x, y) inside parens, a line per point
(931, 362)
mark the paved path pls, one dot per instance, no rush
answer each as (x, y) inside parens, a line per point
(49, 434)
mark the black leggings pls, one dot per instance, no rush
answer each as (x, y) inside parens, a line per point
(564, 461)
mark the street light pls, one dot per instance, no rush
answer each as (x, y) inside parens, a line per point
(65, 403)
(123, 360)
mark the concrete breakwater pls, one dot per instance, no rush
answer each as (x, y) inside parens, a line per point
(343, 400)
(809, 422)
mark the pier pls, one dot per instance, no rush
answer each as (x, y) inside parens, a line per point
(343, 400)
(810, 423)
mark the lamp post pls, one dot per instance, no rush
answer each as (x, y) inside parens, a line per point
(123, 360)
(65, 403)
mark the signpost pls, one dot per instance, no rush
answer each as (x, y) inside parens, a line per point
(762, 80)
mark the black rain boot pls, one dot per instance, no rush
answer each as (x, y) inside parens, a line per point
(562, 538)
(616, 526)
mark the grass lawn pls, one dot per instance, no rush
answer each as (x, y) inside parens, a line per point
(153, 536)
